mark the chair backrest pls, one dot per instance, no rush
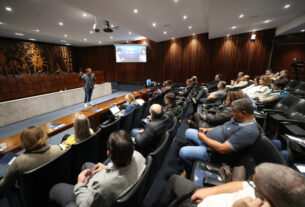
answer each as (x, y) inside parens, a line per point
(287, 102)
(106, 130)
(297, 111)
(126, 121)
(135, 195)
(137, 116)
(85, 151)
(173, 131)
(145, 112)
(300, 88)
(264, 151)
(36, 184)
(291, 85)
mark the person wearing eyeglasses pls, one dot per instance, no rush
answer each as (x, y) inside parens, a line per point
(273, 184)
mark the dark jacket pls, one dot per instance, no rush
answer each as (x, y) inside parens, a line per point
(147, 141)
(212, 86)
(219, 117)
(174, 110)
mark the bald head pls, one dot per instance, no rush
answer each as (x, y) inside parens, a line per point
(156, 111)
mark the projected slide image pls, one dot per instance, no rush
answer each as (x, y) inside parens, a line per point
(130, 53)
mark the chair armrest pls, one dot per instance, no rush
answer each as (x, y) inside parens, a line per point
(295, 130)
(272, 111)
(292, 121)
(210, 182)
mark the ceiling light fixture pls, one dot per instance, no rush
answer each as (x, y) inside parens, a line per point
(135, 11)
(266, 21)
(65, 35)
(176, 1)
(129, 33)
(85, 39)
(228, 35)
(193, 34)
(32, 39)
(253, 36)
(67, 44)
(173, 38)
(165, 32)
(154, 24)
(234, 27)
(18, 34)
(303, 30)
(184, 17)
(190, 27)
(37, 30)
(63, 40)
(286, 6)
(127, 41)
(100, 42)
(84, 15)
(111, 37)
(91, 32)
(8, 9)
(241, 16)
(1, 23)
(60, 23)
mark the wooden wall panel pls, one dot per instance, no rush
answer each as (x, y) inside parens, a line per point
(285, 48)
(184, 57)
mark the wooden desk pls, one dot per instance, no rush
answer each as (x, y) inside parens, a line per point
(13, 141)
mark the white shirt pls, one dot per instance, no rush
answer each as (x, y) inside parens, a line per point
(255, 91)
(228, 199)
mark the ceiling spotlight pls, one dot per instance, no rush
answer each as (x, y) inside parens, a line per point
(63, 40)
(176, 1)
(286, 6)
(67, 44)
(37, 30)
(129, 33)
(100, 42)
(91, 32)
(127, 41)
(165, 32)
(111, 37)
(32, 39)
(173, 38)
(18, 34)
(135, 11)
(303, 30)
(8, 9)
(228, 35)
(84, 15)
(154, 24)
(193, 34)
(65, 35)
(190, 27)
(266, 21)
(184, 17)
(60, 23)
(253, 36)
(1, 23)
(234, 27)
(241, 16)
(85, 39)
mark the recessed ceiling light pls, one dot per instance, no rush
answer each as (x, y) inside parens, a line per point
(234, 27)
(184, 17)
(303, 30)
(32, 39)
(190, 27)
(100, 42)
(129, 33)
(65, 35)
(8, 9)
(228, 35)
(127, 41)
(91, 32)
(154, 24)
(18, 34)
(241, 15)
(253, 30)
(84, 15)
(1, 23)
(111, 37)
(173, 38)
(165, 32)
(60, 23)
(176, 1)
(135, 11)
(266, 21)
(37, 30)
(63, 40)
(194, 34)
(286, 6)
(111, 25)
(85, 39)
(253, 36)
(67, 44)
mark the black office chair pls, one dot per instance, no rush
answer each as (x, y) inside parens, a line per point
(36, 184)
(173, 131)
(299, 89)
(86, 151)
(291, 85)
(146, 109)
(136, 122)
(135, 196)
(106, 130)
(126, 121)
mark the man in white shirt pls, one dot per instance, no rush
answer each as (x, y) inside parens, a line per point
(281, 186)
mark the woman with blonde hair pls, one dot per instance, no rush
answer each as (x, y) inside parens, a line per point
(131, 101)
(37, 152)
(264, 86)
(82, 131)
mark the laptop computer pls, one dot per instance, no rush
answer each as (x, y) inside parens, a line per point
(116, 111)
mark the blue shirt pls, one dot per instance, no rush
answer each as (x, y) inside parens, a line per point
(237, 135)
(130, 108)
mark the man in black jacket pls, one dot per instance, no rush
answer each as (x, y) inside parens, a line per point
(171, 109)
(147, 139)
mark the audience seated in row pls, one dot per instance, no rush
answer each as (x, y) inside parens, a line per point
(212, 86)
(132, 104)
(171, 109)
(233, 136)
(222, 115)
(243, 82)
(204, 96)
(99, 184)
(37, 152)
(259, 87)
(147, 139)
(272, 185)
(275, 94)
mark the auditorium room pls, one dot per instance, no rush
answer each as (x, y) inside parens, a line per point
(152, 103)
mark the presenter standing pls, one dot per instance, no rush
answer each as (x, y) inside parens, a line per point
(88, 78)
